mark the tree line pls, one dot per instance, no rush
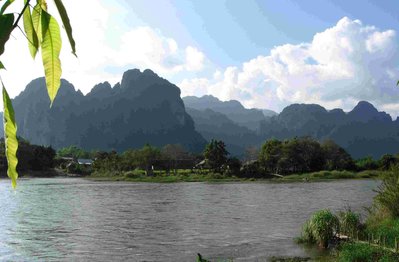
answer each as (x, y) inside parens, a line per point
(282, 157)
(297, 155)
(30, 157)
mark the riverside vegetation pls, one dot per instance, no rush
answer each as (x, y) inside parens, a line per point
(297, 159)
(375, 239)
(293, 160)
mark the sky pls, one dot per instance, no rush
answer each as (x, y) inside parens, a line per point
(265, 54)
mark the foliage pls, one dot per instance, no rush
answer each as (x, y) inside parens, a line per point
(216, 154)
(365, 253)
(174, 156)
(233, 166)
(320, 228)
(349, 222)
(74, 152)
(148, 156)
(270, 155)
(387, 161)
(42, 31)
(300, 155)
(334, 174)
(10, 135)
(336, 158)
(388, 194)
(30, 157)
(385, 228)
(366, 163)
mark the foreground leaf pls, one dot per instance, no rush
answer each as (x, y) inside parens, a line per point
(10, 138)
(51, 48)
(37, 22)
(67, 25)
(30, 32)
(6, 24)
(5, 5)
(2, 66)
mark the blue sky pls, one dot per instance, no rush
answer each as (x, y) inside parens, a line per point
(266, 53)
(231, 31)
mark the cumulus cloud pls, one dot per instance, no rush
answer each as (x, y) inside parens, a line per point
(340, 66)
(144, 47)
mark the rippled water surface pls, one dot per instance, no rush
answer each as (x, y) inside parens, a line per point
(64, 219)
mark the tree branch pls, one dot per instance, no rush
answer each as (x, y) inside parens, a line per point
(20, 15)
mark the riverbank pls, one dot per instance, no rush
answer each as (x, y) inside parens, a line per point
(188, 176)
(333, 175)
(373, 239)
(50, 172)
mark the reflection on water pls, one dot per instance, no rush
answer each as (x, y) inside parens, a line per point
(74, 219)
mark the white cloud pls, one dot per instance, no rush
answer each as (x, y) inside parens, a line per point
(194, 59)
(105, 49)
(340, 66)
(144, 47)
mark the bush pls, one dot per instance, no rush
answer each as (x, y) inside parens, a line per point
(366, 163)
(349, 222)
(135, 173)
(320, 228)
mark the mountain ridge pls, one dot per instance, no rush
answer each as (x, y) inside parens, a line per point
(145, 108)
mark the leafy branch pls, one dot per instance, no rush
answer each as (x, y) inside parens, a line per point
(41, 31)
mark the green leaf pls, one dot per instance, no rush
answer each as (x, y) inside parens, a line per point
(2, 66)
(30, 32)
(397, 83)
(43, 4)
(5, 5)
(6, 24)
(10, 138)
(37, 22)
(67, 25)
(51, 48)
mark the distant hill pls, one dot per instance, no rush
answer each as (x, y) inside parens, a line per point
(143, 108)
(215, 125)
(233, 109)
(364, 131)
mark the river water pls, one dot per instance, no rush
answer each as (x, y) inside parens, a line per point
(72, 219)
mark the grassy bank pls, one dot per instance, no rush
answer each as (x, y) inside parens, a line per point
(188, 175)
(333, 175)
(163, 177)
(375, 239)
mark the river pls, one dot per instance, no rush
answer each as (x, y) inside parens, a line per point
(69, 219)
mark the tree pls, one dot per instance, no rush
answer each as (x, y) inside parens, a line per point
(42, 32)
(73, 151)
(148, 156)
(387, 161)
(216, 154)
(270, 154)
(174, 153)
(336, 157)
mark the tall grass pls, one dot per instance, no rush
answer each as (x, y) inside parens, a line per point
(349, 223)
(387, 198)
(365, 253)
(320, 228)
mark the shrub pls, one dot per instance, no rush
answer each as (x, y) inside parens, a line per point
(349, 222)
(320, 228)
(135, 173)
